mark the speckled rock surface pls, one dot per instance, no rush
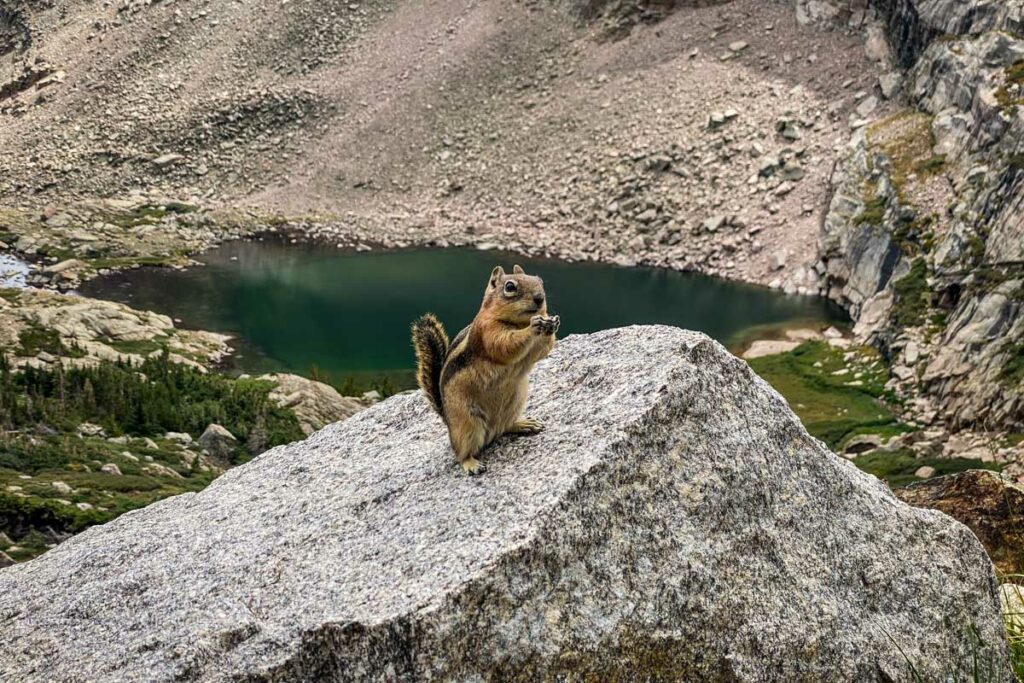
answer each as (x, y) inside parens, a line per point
(674, 522)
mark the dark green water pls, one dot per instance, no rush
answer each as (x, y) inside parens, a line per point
(293, 307)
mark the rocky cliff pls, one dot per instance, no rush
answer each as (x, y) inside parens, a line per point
(674, 522)
(924, 239)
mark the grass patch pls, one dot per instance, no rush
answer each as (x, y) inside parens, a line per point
(1012, 372)
(138, 347)
(148, 214)
(934, 164)
(897, 468)
(1013, 617)
(907, 140)
(1014, 78)
(911, 296)
(831, 406)
(873, 212)
(34, 340)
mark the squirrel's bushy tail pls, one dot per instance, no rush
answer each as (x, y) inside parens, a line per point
(431, 344)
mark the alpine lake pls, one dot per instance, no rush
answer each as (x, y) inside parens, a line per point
(344, 316)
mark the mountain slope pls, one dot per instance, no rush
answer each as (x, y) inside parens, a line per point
(503, 122)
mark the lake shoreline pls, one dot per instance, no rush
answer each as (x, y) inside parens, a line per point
(150, 233)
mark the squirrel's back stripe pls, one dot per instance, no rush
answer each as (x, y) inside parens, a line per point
(461, 353)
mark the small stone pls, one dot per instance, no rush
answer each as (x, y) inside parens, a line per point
(61, 487)
(768, 166)
(912, 353)
(111, 468)
(863, 443)
(890, 84)
(925, 472)
(793, 171)
(738, 46)
(787, 129)
(179, 437)
(165, 160)
(647, 216)
(867, 107)
(90, 429)
(716, 120)
(713, 223)
(902, 372)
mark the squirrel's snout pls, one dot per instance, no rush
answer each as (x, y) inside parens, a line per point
(538, 299)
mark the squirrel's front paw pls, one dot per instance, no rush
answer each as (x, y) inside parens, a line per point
(543, 324)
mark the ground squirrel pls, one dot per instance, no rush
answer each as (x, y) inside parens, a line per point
(478, 382)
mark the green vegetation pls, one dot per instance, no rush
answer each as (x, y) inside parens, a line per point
(834, 408)
(52, 478)
(385, 383)
(930, 166)
(911, 296)
(33, 510)
(837, 408)
(139, 347)
(874, 211)
(1014, 619)
(915, 236)
(148, 400)
(897, 468)
(1013, 370)
(907, 140)
(148, 213)
(33, 340)
(1014, 78)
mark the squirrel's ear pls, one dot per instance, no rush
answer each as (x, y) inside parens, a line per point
(518, 270)
(496, 275)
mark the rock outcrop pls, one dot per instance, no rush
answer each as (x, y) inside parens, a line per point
(38, 327)
(315, 404)
(992, 507)
(941, 184)
(674, 522)
(218, 442)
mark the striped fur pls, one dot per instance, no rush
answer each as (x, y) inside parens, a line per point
(431, 344)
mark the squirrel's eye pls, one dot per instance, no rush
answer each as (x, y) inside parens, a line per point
(510, 287)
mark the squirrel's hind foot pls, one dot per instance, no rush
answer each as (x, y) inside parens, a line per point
(526, 425)
(473, 466)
